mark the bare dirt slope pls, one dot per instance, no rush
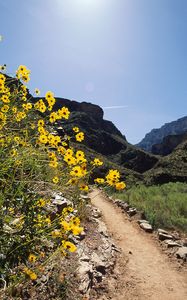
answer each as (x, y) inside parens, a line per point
(143, 271)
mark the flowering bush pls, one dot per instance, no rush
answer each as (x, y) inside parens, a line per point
(34, 161)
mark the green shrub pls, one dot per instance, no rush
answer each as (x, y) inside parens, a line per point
(163, 206)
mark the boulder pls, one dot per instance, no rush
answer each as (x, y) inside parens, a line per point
(171, 243)
(85, 274)
(182, 253)
(96, 213)
(99, 264)
(102, 228)
(146, 227)
(132, 211)
(142, 221)
(164, 236)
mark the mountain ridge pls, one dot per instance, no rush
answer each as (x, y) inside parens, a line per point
(155, 136)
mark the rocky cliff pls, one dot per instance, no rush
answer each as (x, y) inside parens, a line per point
(156, 136)
(103, 137)
(168, 144)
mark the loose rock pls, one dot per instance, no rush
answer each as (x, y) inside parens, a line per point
(182, 253)
(164, 236)
(132, 211)
(171, 243)
(142, 221)
(147, 227)
(96, 213)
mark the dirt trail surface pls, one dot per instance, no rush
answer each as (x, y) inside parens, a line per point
(143, 270)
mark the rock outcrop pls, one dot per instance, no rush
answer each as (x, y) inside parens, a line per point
(171, 168)
(156, 136)
(102, 135)
(168, 144)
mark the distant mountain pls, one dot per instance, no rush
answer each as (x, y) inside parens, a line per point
(156, 136)
(168, 144)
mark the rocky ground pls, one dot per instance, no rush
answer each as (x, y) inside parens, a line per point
(119, 257)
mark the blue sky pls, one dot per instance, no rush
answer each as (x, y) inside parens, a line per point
(130, 53)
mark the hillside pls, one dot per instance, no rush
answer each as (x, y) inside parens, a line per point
(168, 144)
(155, 136)
(103, 136)
(171, 168)
(104, 139)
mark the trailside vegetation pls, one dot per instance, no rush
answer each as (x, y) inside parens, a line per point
(163, 205)
(35, 162)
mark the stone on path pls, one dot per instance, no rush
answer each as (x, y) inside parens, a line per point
(171, 243)
(182, 253)
(164, 236)
(147, 227)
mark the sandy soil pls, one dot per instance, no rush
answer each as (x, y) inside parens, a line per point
(143, 271)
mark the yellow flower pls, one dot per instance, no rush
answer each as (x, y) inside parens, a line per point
(51, 102)
(52, 117)
(43, 139)
(69, 246)
(79, 136)
(24, 98)
(41, 123)
(2, 78)
(97, 162)
(76, 129)
(22, 69)
(37, 91)
(51, 155)
(70, 160)
(5, 108)
(5, 99)
(69, 209)
(17, 139)
(42, 108)
(30, 273)
(32, 258)
(64, 112)
(14, 109)
(49, 95)
(48, 221)
(23, 73)
(76, 230)
(77, 172)
(28, 106)
(84, 187)
(61, 150)
(41, 202)
(13, 152)
(53, 164)
(55, 179)
(56, 233)
(99, 180)
(65, 225)
(11, 210)
(3, 68)
(42, 130)
(112, 177)
(75, 221)
(120, 185)
(79, 154)
(69, 152)
(72, 181)
(32, 126)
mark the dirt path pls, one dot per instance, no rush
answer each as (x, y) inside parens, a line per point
(144, 272)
